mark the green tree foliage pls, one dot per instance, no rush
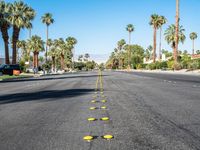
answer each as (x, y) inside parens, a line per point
(47, 19)
(36, 45)
(20, 17)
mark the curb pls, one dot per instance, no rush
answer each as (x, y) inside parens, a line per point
(14, 79)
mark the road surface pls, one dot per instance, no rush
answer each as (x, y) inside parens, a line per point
(146, 111)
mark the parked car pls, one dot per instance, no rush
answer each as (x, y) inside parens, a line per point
(8, 69)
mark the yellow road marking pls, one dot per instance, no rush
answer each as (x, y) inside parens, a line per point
(93, 108)
(103, 107)
(108, 137)
(92, 119)
(93, 101)
(88, 138)
(104, 101)
(105, 119)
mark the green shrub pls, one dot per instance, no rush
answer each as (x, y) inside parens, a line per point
(139, 66)
(22, 65)
(151, 66)
(193, 65)
(177, 66)
(170, 64)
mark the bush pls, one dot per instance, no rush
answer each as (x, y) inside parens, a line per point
(170, 64)
(47, 65)
(177, 66)
(151, 66)
(193, 65)
(22, 65)
(139, 66)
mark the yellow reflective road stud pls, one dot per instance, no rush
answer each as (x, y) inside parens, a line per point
(105, 119)
(88, 138)
(104, 101)
(93, 101)
(103, 107)
(93, 108)
(92, 119)
(108, 137)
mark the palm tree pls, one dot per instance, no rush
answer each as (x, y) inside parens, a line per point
(120, 45)
(71, 42)
(48, 20)
(36, 45)
(155, 22)
(80, 58)
(163, 21)
(21, 17)
(60, 48)
(148, 52)
(4, 26)
(193, 36)
(170, 36)
(23, 46)
(87, 56)
(53, 53)
(130, 28)
(176, 32)
(49, 43)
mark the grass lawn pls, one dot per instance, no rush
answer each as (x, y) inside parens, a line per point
(4, 77)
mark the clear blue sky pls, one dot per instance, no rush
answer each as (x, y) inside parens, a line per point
(99, 24)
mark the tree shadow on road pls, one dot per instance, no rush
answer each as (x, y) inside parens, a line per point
(43, 95)
(43, 78)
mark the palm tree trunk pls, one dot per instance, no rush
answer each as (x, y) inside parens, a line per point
(53, 63)
(62, 61)
(37, 59)
(73, 59)
(16, 31)
(129, 50)
(177, 30)
(192, 47)
(160, 45)
(154, 45)
(4, 30)
(46, 42)
(29, 33)
(34, 59)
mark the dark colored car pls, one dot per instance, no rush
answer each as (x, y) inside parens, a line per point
(8, 69)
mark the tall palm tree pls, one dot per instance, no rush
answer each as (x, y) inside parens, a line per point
(21, 17)
(36, 45)
(4, 26)
(48, 20)
(87, 56)
(170, 36)
(176, 32)
(193, 36)
(130, 28)
(80, 58)
(61, 47)
(155, 23)
(120, 45)
(71, 42)
(49, 43)
(53, 53)
(23, 46)
(163, 21)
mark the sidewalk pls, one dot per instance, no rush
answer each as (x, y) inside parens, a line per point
(183, 72)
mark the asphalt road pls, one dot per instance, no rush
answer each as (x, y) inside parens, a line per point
(146, 111)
